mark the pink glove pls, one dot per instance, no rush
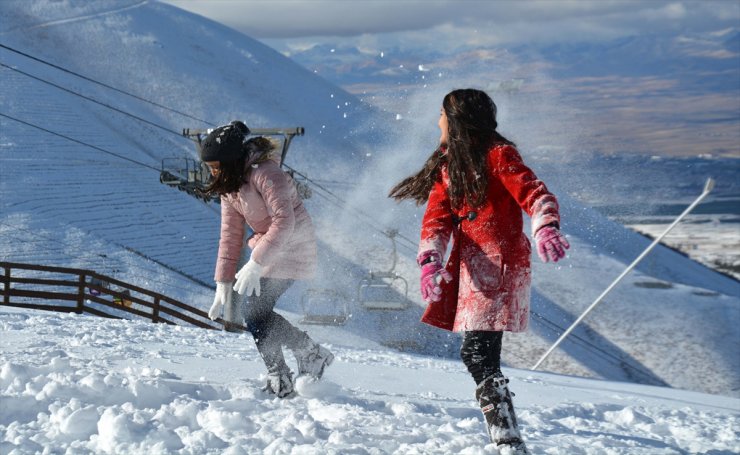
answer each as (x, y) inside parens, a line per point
(432, 274)
(551, 244)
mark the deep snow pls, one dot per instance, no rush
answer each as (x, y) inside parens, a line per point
(80, 384)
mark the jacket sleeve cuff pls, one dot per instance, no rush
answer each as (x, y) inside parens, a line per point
(428, 256)
(430, 246)
(545, 212)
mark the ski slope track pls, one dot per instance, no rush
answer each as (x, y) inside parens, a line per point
(671, 323)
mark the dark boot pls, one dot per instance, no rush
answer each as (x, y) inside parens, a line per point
(312, 359)
(280, 383)
(498, 410)
(279, 377)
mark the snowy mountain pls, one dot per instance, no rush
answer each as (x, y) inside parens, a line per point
(668, 95)
(79, 187)
(702, 61)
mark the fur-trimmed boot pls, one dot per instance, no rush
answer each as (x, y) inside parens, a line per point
(313, 359)
(498, 410)
(280, 383)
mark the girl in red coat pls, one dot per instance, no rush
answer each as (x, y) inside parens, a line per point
(476, 186)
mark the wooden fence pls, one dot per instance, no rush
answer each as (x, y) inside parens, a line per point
(85, 291)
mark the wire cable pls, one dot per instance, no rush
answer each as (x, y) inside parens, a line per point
(340, 202)
(89, 79)
(600, 352)
(79, 142)
(136, 117)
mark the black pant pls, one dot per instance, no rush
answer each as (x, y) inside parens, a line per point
(481, 353)
(270, 330)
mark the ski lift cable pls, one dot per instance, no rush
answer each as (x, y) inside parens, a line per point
(343, 203)
(366, 216)
(139, 163)
(139, 119)
(597, 350)
(89, 79)
(340, 205)
(335, 182)
(140, 98)
(339, 201)
(178, 134)
(316, 184)
(410, 248)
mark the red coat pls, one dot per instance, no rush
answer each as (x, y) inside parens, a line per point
(489, 261)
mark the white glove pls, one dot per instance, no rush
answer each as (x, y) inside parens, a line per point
(223, 295)
(248, 279)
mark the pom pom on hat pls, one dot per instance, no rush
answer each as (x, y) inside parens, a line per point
(224, 143)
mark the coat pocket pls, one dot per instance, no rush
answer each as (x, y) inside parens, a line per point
(485, 272)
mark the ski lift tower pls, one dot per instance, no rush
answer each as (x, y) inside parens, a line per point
(287, 135)
(192, 176)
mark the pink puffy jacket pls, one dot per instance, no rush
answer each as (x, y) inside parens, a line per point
(284, 242)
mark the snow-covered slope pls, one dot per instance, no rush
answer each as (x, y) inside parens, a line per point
(64, 203)
(81, 384)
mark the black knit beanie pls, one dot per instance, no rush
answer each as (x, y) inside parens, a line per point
(224, 143)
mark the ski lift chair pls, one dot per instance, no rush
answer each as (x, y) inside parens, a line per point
(192, 176)
(324, 307)
(97, 285)
(385, 290)
(124, 300)
(183, 172)
(95, 281)
(287, 134)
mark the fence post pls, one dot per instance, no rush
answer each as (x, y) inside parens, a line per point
(81, 295)
(155, 312)
(6, 286)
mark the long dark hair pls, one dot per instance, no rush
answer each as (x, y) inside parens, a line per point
(471, 123)
(232, 174)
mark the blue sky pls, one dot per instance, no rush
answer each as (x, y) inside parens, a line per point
(295, 24)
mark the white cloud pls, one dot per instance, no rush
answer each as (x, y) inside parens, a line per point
(450, 23)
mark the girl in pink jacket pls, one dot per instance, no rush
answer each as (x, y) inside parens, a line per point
(255, 192)
(476, 186)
